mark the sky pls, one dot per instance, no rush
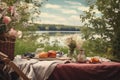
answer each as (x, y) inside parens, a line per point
(65, 12)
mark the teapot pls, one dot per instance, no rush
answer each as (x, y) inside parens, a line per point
(81, 56)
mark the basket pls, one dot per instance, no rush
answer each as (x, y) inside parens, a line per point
(7, 46)
(2, 28)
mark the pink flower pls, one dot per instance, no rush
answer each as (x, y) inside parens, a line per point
(15, 33)
(12, 32)
(6, 20)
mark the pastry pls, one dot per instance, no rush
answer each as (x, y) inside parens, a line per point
(43, 55)
(52, 54)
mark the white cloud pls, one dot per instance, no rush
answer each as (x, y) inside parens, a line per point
(75, 20)
(50, 22)
(52, 16)
(83, 8)
(75, 17)
(53, 6)
(55, 19)
(67, 15)
(73, 3)
(59, 8)
(47, 18)
(69, 11)
(47, 15)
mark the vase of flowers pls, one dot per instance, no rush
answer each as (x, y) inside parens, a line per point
(71, 43)
(74, 44)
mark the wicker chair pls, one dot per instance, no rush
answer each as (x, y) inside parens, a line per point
(7, 61)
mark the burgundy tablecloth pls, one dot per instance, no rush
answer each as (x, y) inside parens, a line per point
(82, 71)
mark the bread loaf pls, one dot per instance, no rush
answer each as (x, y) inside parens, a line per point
(43, 55)
(52, 54)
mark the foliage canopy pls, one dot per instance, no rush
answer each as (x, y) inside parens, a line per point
(104, 24)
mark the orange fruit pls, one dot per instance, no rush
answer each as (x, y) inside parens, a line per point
(43, 55)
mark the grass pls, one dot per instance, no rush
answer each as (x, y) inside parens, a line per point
(28, 45)
(23, 46)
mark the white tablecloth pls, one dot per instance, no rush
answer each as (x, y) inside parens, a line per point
(35, 69)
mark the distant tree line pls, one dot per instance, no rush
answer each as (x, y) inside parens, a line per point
(58, 28)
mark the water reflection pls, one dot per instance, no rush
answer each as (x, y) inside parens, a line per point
(53, 33)
(58, 37)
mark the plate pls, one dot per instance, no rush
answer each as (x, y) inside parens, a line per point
(49, 59)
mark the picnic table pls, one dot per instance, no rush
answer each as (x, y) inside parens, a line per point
(65, 70)
(36, 69)
(86, 71)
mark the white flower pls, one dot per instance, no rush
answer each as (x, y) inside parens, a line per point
(19, 34)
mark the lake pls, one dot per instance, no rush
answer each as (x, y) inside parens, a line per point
(58, 36)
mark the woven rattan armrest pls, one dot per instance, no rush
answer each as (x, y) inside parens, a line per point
(13, 66)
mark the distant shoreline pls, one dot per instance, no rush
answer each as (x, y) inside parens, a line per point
(56, 31)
